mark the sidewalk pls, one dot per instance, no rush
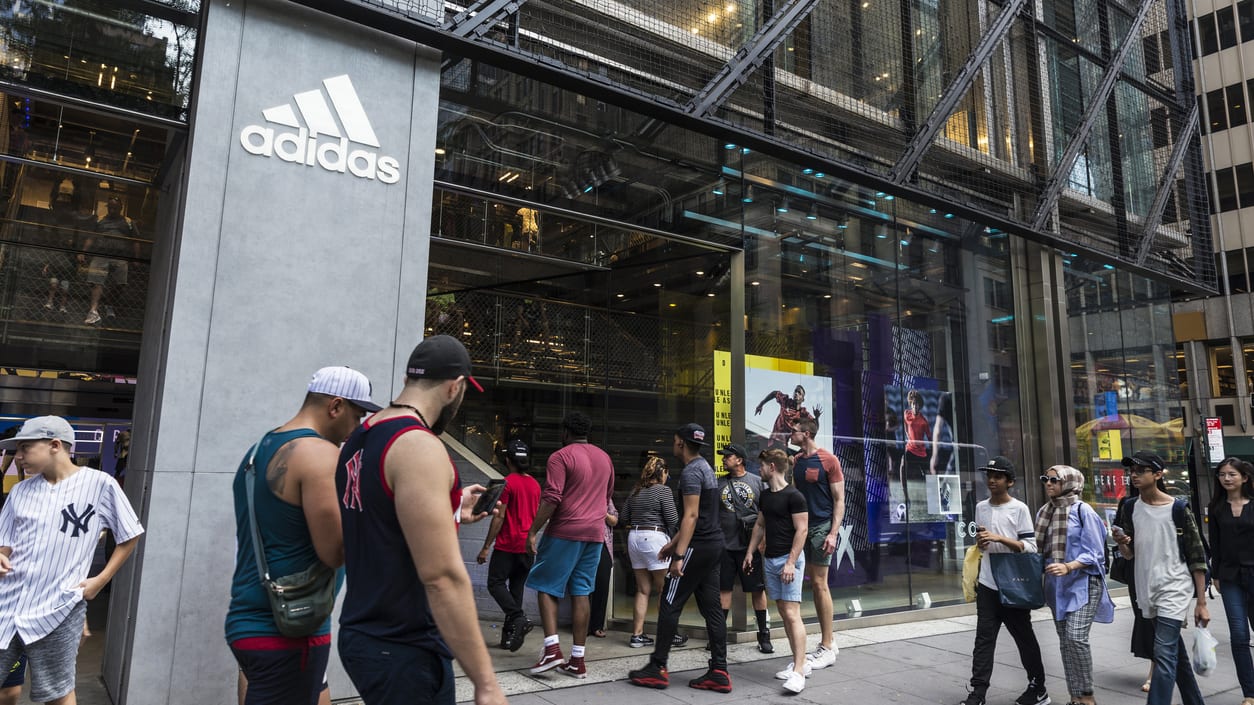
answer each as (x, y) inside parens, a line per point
(920, 663)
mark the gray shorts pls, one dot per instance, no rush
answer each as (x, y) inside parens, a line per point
(53, 659)
(106, 270)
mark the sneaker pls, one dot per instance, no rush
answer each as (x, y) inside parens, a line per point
(574, 668)
(973, 699)
(48, 305)
(764, 643)
(550, 659)
(109, 313)
(521, 626)
(795, 683)
(715, 679)
(506, 634)
(639, 640)
(1034, 695)
(651, 676)
(822, 657)
(783, 675)
(92, 317)
(679, 640)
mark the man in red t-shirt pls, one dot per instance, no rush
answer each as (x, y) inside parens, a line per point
(510, 561)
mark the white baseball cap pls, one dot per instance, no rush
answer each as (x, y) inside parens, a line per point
(345, 383)
(42, 428)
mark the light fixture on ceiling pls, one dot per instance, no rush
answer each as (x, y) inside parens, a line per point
(813, 213)
(720, 187)
(748, 195)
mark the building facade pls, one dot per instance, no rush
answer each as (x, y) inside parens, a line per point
(945, 231)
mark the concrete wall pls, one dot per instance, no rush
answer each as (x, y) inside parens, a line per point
(279, 268)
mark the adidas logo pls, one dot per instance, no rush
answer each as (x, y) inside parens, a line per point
(321, 140)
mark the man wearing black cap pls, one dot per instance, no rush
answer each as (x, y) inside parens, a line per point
(1004, 525)
(1169, 573)
(697, 552)
(410, 606)
(739, 492)
(510, 561)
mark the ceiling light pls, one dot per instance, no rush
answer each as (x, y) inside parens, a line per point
(748, 197)
(619, 295)
(700, 273)
(712, 17)
(755, 283)
(782, 205)
(720, 187)
(657, 284)
(813, 213)
(673, 305)
(827, 296)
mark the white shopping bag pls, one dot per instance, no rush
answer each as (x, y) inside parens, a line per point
(1204, 659)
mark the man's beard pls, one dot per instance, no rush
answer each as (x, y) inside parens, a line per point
(446, 414)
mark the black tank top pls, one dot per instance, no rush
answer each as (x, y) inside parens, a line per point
(384, 599)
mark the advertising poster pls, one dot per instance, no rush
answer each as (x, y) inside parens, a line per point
(923, 467)
(778, 392)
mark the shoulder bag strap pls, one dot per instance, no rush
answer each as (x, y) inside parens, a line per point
(737, 502)
(250, 481)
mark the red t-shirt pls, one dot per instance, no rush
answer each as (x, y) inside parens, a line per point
(916, 432)
(522, 498)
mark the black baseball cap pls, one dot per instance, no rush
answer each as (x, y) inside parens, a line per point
(692, 433)
(516, 451)
(734, 449)
(440, 357)
(1145, 459)
(1002, 465)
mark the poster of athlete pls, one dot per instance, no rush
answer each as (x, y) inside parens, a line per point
(776, 400)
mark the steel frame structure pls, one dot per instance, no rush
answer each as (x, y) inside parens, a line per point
(469, 34)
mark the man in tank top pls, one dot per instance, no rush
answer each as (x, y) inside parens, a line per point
(299, 523)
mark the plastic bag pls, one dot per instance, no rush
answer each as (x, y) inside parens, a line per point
(1204, 659)
(970, 573)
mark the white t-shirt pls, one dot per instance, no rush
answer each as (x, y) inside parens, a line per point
(1012, 519)
(1164, 585)
(53, 531)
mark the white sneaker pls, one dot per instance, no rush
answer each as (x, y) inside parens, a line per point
(795, 682)
(787, 672)
(822, 657)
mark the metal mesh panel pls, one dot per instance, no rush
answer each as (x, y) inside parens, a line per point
(1039, 121)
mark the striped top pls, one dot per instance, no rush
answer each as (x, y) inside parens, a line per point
(53, 530)
(651, 506)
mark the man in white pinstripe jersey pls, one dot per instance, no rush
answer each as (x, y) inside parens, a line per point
(49, 529)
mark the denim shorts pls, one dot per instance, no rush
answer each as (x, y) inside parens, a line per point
(563, 566)
(777, 589)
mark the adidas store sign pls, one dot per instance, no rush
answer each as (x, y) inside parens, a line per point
(320, 140)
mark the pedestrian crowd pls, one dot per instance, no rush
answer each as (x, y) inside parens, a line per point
(351, 493)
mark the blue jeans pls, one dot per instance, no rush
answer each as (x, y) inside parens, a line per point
(1171, 666)
(1237, 598)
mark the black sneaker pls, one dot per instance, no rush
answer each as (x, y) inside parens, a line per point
(651, 676)
(507, 634)
(764, 643)
(679, 640)
(1034, 695)
(519, 629)
(639, 640)
(715, 679)
(973, 699)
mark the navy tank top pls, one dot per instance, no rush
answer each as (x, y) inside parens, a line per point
(385, 598)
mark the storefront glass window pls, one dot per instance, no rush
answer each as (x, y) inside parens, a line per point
(102, 53)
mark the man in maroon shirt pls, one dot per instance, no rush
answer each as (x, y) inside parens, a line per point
(577, 487)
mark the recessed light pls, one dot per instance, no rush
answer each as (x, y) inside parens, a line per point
(755, 283)
(657, 284)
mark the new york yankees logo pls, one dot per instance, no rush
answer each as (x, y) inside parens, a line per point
(71, 517)
(352, 488)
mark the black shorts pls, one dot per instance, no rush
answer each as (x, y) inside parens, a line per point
(733, 565)
(282, 670)
(16, 675)
(389, 673)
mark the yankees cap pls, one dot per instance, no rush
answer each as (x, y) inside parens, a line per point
(42, 428)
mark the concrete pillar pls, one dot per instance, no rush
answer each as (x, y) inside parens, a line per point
(278, 268)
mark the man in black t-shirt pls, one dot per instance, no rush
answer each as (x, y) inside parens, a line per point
(697, 552)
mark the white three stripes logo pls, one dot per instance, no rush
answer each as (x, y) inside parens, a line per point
(313, 107)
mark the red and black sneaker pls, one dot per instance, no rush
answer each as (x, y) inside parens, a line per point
(651, 676)
(550, 659)
(715, 679)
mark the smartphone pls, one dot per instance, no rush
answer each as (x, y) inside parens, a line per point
(1117, 530)
(489, 498)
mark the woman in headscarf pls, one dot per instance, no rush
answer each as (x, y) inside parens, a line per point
(1072, 540)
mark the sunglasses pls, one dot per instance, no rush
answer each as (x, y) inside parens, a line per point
(1050, 480)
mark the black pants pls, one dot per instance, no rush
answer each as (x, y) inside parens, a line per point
(601, 593)
(701, 571)
(990, 616)
(511, 568)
